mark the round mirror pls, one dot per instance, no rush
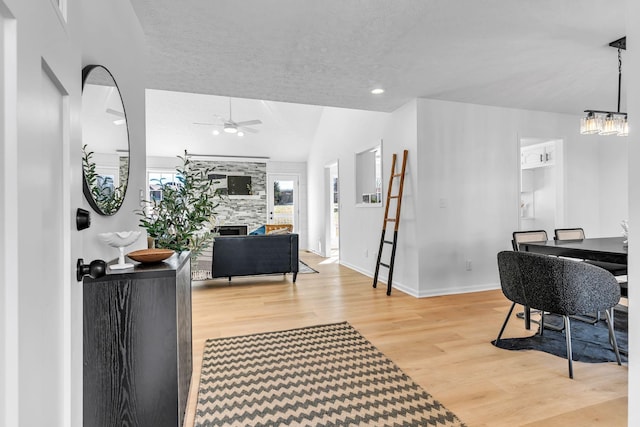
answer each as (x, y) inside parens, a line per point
(105, 141)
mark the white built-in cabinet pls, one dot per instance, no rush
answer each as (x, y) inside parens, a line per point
(538, 155)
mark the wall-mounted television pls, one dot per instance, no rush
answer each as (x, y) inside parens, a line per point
(239, 185)
(232, 185)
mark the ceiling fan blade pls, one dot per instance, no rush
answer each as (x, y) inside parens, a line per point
(249, 123)
(205, 124)
(246, 129)
(115, 112)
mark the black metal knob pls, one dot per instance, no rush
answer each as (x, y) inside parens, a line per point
(83, 219)
(97, 268)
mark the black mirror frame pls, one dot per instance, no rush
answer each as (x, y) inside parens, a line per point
(85, 187)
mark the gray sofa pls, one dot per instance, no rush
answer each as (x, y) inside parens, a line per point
(252, 255)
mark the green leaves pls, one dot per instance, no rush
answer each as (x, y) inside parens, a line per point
(180, 220)
(106, 197)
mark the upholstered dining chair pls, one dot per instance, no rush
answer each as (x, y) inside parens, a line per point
(568, 234)
(527, 236)
(556, 285)
(519, 237)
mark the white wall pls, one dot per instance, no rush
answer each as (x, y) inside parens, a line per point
(596, 167)
(469, 157)
(46, 44)
(402, 133)
(582, 176)
(632, 68)
(341, 134)
(613, 188)
(122, 52)
(461, 203)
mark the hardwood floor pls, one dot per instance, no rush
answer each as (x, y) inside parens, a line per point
(443, 343)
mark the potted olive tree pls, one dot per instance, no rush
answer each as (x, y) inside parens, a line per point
(181, 218)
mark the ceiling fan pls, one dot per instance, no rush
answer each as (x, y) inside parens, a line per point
(116, 113)
(229, 126)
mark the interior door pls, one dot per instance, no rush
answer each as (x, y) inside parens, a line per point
(44, 294)
(282, 195)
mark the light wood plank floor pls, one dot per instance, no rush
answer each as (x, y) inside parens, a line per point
(443, 343)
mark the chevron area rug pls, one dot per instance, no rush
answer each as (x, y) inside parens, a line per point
(326, 375)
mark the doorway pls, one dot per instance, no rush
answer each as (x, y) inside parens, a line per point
(332, 218)
(541, 191)
(283, 196)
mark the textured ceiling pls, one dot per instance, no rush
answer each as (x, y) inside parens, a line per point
(282, 61)
(543, 55)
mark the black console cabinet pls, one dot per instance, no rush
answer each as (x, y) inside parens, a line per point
(137, 345)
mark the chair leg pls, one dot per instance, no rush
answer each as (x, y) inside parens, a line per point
(526, 315)
(549, 326)
(612, 336)
(504, 325)
(567, 331)
(588, 319)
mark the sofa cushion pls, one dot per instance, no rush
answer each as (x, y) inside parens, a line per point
(278, 231)
(258, 231)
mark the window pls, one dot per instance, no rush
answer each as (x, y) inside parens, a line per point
(369, 177)
(157, 180)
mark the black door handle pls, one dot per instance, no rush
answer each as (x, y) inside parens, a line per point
(97, 268)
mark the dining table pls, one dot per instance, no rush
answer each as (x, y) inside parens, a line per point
(600, 249)
(603, 249)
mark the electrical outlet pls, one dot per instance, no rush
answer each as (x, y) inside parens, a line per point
(468, 265)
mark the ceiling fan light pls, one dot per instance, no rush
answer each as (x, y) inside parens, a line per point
(230, 129)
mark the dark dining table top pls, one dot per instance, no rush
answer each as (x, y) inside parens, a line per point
(606, 249)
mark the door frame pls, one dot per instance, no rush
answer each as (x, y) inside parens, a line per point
(328, 211)
(271, 178)
(9, 301)
(558, 165)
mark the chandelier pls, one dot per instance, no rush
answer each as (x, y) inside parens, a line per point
(608, 122)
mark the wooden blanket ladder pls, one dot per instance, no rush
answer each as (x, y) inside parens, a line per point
(399, 178)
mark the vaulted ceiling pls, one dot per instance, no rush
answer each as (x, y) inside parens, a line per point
(544, 55)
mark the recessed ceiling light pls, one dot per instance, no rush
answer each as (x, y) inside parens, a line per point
(377, 91)
(216, 132)
(240, 133)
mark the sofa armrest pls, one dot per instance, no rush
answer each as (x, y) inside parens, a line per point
(294, 252)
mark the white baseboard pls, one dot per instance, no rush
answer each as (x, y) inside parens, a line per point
(433, 292)
(458, 290)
